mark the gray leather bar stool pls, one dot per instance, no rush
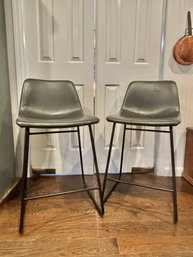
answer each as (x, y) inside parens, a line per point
(54, 105)
(146, 103)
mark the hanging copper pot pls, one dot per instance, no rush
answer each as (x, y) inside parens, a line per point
(183, 49)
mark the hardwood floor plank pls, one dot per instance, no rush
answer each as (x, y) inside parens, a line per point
(137, 222)
(60, 245)
(156, 245)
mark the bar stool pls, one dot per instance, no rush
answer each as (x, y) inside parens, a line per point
(54, 105)
(146, 104)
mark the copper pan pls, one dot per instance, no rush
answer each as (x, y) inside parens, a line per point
(183, 49)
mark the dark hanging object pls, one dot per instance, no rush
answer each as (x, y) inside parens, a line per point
(183, 49)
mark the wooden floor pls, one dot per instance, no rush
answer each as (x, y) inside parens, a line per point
(137, 222)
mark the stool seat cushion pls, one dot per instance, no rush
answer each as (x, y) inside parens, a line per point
(56, 121)
(51, 104)
(165, 118)
(30, 119)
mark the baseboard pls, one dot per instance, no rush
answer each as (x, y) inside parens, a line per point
(141, 170)
(187, 177)
(13, 191)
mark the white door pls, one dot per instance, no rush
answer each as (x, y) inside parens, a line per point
(58, 43)
(128, 48)
(58, 39)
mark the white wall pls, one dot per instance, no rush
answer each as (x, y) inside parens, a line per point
(176, 23)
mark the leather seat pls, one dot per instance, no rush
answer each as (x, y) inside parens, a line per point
(149, 103)
(51, 104)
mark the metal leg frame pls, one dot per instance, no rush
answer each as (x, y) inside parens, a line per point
(24, 180)
(81, 160)
(174, 193)
(87, 189)
(99, 209)
(117, 181)
(108, 161)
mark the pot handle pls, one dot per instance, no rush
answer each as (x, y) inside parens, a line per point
(189, 29)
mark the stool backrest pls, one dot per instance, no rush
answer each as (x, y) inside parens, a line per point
(49, 97)
(148, 97)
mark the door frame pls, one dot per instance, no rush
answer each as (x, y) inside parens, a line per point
(15, 59)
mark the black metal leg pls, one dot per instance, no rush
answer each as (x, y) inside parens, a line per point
(120, 169)
(24, 179)
(108, 162)
(82, 171)
(81, 160)
(96, 169)
(122, 151)
(174, 194)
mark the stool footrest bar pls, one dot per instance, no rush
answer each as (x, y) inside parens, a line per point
(140, 185)
(61, 193)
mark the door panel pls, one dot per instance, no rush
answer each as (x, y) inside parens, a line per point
(59, 40)
(128, 47)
